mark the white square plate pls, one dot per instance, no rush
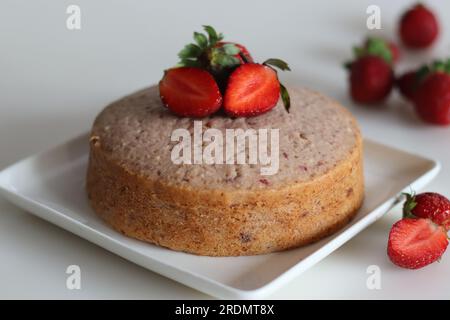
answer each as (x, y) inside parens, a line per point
(51, 186)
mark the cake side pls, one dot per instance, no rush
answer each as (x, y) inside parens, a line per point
(221, 223)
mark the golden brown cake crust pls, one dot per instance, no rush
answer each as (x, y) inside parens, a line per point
(225, 222)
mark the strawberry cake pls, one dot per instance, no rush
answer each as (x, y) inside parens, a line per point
(225, 208)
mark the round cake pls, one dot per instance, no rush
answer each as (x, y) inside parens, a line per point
(226, 209)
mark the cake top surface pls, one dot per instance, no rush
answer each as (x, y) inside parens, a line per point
(137, 133)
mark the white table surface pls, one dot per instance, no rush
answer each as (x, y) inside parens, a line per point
(54, 81)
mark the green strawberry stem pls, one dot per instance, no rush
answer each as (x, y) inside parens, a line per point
(377, 47)
(280, 64)
(435, 66)
(285, 97)
(409, 205)
(205, 53)
(374, 47)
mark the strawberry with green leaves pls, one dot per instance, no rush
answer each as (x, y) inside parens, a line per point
(428, 89)
(431, 205)
(409, 82)
(420, 238)
(432, 99)
(378, 45)
(213, 73)
(209, 52)
(371, 75)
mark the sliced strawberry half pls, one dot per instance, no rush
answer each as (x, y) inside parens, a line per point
(190, 92)
(415, 243)
(252, 89)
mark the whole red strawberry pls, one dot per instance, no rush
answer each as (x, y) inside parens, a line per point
(429, 205)
(407, 84)
(419, 27)
(371, 80)
(371, 75)
(415, 243)
(432, 100)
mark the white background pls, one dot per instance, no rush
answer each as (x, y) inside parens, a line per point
(54, 81)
